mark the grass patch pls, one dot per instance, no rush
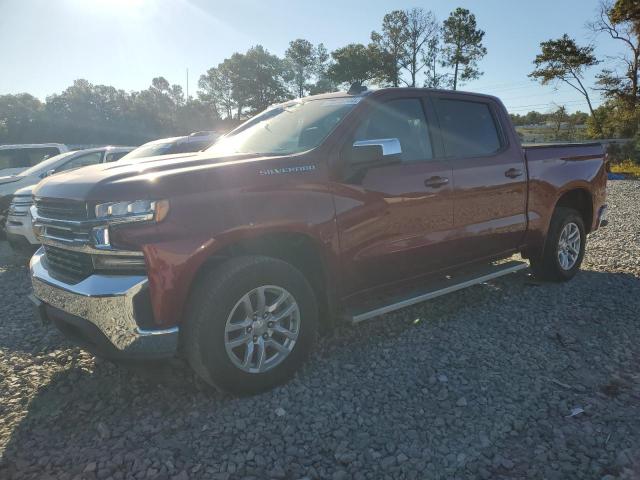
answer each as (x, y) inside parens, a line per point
(628, 167)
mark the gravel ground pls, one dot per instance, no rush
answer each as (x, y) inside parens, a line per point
(512, 379)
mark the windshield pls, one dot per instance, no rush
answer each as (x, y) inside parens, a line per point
(150, 150)
(291, 128)
(45, 165)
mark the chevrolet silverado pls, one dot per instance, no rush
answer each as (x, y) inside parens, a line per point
(341, 206)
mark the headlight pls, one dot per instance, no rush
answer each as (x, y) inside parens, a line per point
(133, 211)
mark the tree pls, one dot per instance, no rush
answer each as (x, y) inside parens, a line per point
(562, 60)
(86, 114)
(621, 21)
(302, 56)
(558, 117)
(421, 31)
(354, 63)
(266, 78)
(216, 89)
(431, 58)
(462, 45)
(323, 83)
(322, 58)
(392, 45)
(624, 11)
(20, 118)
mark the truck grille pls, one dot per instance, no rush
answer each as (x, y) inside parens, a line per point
(71, 265)
(20, 205)
(59, 209)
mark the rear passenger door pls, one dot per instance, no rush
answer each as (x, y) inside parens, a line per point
(489, 176)
(393, 219)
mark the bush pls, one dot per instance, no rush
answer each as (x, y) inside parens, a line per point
(626, 152)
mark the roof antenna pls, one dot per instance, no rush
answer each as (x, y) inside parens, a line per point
(356, 88)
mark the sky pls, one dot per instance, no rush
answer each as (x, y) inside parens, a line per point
(46, 44)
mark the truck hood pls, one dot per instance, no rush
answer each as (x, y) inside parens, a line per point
(149, 178)
(25, 191)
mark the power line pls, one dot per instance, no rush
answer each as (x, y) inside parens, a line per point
(550, 104)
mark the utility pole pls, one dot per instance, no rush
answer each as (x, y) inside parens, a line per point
(187, 84)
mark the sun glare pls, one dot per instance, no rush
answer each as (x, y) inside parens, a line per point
(119, 7)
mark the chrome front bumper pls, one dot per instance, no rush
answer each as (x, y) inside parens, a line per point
(110, 303)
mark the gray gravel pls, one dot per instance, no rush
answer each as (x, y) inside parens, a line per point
(512, 379)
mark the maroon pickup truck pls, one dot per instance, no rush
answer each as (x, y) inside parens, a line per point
(338, 206)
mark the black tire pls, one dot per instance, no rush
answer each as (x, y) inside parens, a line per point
(213, 300)
(547, 266)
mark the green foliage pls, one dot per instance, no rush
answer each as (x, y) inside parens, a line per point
(355, 63)
(626, 153)
(97, 114)
(619, 83)
(563, 60)
(308, 63)
(391, 46)
(616, 120)
(462, 45)
(539, 118)
(20, 118)
(246, 83)
(302, 57)
(626, 11)
(265, 77)
(422, 31)
(557, 125)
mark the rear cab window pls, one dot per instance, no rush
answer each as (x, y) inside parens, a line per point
(469, 128)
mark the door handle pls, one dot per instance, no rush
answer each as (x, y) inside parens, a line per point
(436, 182)
(513, 173)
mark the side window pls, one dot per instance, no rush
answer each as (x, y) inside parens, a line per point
(188, 147)
(81, 161)
(402, 119)
(468, 128)
(25, 157)
(113, 156)
(39, 154)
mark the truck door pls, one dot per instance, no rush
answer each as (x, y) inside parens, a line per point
(489, 176)
(394, 213)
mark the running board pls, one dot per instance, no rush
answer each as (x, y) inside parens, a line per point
(442, 287)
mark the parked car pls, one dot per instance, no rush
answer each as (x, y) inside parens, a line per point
(16, 158)
(169, 146)
(337, 206)
(16, 227)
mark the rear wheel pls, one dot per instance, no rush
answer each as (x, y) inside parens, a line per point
(251, 324)
(564, 247)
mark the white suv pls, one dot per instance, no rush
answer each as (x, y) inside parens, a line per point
(17, 189)
(16, 158)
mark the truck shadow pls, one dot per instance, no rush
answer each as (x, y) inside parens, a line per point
(90, 409)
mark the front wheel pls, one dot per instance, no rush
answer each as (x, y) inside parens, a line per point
(251, 323)
(564, 247)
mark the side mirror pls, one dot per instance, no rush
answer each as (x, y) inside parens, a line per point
(383, 151)
(365, 154)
